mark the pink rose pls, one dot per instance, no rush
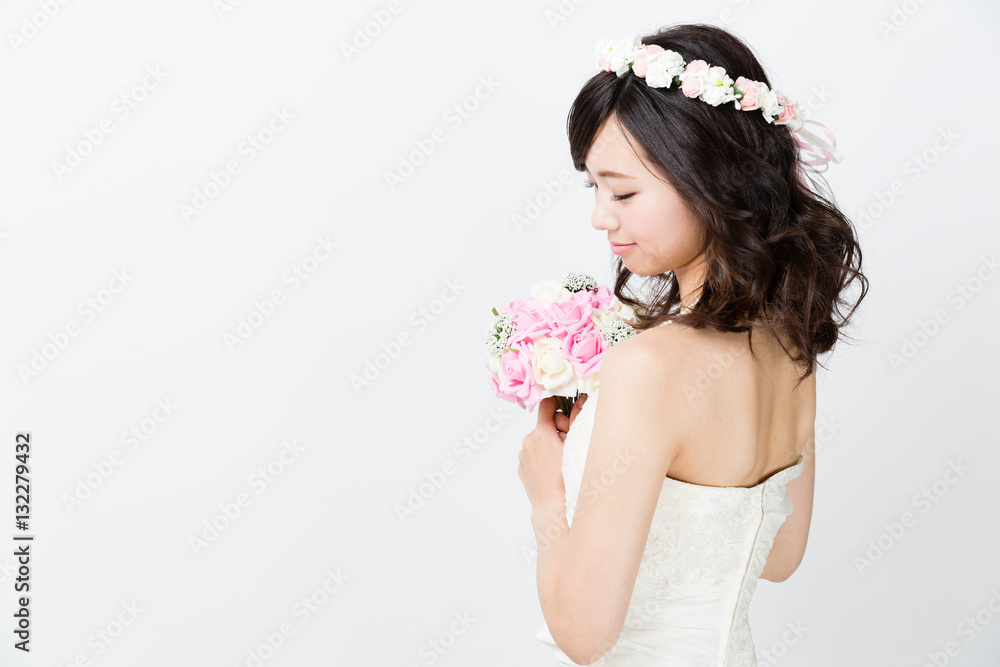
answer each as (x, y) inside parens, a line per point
(586, 297)
(585, 349)
(605, 64)
(531, 321)
(788, 111)
(690, 85)
(566, 317)
(751, 94)
(604, 297)
(517, 380)
(639, 63)
(598, 300)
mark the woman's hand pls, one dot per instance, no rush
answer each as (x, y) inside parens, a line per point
(541, 453)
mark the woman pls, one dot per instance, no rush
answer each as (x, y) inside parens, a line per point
(680, 483)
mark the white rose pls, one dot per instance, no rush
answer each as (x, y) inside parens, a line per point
(662, 67)
(548, 291)
(768, 103)
(602, 318)
(588, 385)
(627, 313)
(550, 369)
(623, 53)
(602, 51)
(716, 86)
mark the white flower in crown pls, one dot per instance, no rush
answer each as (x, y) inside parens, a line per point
(662, 66)
(768, 103)
(623, 53)
(602, 54)
(709, 84)
(717, 87)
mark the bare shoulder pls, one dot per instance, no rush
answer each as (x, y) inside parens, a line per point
(657, 370)
(653, 357)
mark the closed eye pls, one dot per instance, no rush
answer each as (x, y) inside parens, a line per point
(587, 183)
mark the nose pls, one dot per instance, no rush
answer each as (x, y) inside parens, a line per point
(602, 218)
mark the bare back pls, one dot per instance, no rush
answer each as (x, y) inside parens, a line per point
(744, 418)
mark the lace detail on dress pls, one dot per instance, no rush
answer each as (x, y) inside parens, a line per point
(690, 543)
(741, 650)
(706, 549)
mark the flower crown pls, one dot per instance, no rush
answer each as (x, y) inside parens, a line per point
(662, 68)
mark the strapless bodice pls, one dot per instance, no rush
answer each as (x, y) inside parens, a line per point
(706, 549)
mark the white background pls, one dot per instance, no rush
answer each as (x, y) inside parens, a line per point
(427, 260)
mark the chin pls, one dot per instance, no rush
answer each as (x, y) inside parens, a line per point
(638, 270)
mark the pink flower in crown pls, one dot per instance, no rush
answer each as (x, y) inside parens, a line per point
(751, 93)
(639, 63)
(690, 82)
(585, 349)
(517, 380)
(788, 110)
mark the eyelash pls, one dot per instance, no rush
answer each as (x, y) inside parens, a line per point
(587, 183)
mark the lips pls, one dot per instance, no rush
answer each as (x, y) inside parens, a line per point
(621, 249)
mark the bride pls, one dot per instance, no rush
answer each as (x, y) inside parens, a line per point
(688, 474)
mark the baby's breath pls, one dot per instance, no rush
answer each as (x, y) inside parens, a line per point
(576, 282)
(617, 331)
(499, 333)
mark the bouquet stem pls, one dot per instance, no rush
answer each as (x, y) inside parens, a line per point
(566, 403)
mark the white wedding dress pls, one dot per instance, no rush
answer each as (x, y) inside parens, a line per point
(705, 551)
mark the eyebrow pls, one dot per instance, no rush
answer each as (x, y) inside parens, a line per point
(612, 174)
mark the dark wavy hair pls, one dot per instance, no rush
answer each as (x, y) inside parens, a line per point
(778, 254)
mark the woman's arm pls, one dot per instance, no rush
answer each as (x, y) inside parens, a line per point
(790, 542)
(586, 575)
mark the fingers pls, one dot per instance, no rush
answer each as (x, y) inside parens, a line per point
(546, 408)
(561, 421)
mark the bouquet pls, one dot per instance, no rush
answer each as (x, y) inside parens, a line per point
(552, 342)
